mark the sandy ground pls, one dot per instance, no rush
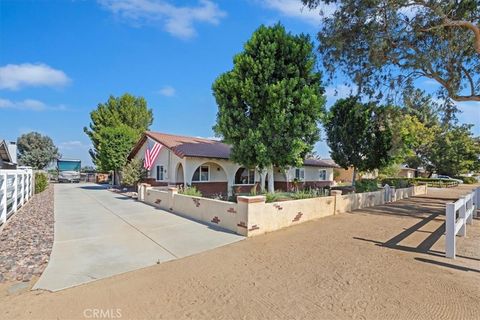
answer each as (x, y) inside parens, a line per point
(381, 263)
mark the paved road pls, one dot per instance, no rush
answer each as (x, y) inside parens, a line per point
(99, 234)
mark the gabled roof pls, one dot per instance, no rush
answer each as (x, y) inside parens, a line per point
(325, 163)
(184, 146)
(4, 152)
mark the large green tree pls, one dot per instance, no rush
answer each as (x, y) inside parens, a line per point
(36, 150)
(359, 135)
(455, 151)
(126, 110)
(271, 102)
(383, 45)
(114, 146)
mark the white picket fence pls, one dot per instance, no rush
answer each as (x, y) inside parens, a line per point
(16, 188)
(455, 224)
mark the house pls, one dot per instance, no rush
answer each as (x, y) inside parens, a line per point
(8, 155)
(206, 164)
(407, 172)
(346, 175)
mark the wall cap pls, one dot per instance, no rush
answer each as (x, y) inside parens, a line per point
(251, 199)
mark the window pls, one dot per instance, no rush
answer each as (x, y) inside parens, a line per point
(201, 174)
(300, 174)
(159, 173)
(323, 174)
(245, 176)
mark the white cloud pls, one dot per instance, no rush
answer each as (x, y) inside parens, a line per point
(15, 76)
(167, 91)
(29, 105)
(177, 20)
(295, 9)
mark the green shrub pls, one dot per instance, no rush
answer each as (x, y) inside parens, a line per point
(468, 180)
(41, 182)
(366, 185)
(190, 191)
(398, 182)
(272, 197)
(304, 194)
(133, 172)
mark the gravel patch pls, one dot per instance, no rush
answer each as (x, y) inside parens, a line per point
(27, 239)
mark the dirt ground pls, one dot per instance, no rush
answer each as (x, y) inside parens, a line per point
(380, 263)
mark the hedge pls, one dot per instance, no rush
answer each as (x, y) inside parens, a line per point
(41, 182)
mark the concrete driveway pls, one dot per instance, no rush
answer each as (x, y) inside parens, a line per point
(99, 234)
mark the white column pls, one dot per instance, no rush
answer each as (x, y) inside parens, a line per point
(3, 200)
(450, 231)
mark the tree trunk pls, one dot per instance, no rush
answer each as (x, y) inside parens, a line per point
(285, 172)
(271, 185)
(262, 180)
(354, 177)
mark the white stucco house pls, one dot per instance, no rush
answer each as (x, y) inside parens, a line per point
(206, 164)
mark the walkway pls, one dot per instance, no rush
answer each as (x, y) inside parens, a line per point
(99, 234)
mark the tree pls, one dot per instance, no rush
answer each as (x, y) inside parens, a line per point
(384, 45)
(126, 110)
(358, 135)
(36, 150)
(115, 143)
(133, 172)
(270, 103)
(455, 151)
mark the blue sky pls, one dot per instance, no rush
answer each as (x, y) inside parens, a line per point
(59, 59)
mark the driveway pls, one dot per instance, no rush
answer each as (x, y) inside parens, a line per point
(99, 234)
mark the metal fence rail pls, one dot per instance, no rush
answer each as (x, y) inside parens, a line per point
(16, 188)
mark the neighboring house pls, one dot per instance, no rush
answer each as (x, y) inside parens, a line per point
(206, 164)
(8, 155)
(407, 172)
(346, 175)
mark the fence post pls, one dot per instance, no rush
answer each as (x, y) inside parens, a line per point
(477, 202)
(15, 192)
(22, 189)
(450, 231)
(462, 216)
(3, 201)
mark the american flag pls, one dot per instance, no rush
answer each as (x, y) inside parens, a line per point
(151, 154)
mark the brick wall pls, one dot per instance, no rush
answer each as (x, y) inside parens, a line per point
(212, 188)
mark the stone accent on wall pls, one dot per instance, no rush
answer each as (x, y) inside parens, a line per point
(158, 201)
(297, 217)
(278, 207)
(231, 210)
(242, 224)
(196, 201)
(215, 220)
(254, 227)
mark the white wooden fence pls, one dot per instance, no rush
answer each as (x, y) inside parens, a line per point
(455, 224)
(16, 188)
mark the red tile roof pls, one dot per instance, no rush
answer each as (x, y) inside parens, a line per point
(184, 146)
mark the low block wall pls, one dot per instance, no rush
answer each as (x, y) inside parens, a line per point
(251, 216)
(265, 217)
(224, 214)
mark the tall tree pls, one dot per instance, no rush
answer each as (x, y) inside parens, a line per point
(455, 151)
(126, 110)
(36, 150)
(271, 102)
(358, 135)
(114, 146)
(384, 45)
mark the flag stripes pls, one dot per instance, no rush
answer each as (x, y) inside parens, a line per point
(151, 155)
